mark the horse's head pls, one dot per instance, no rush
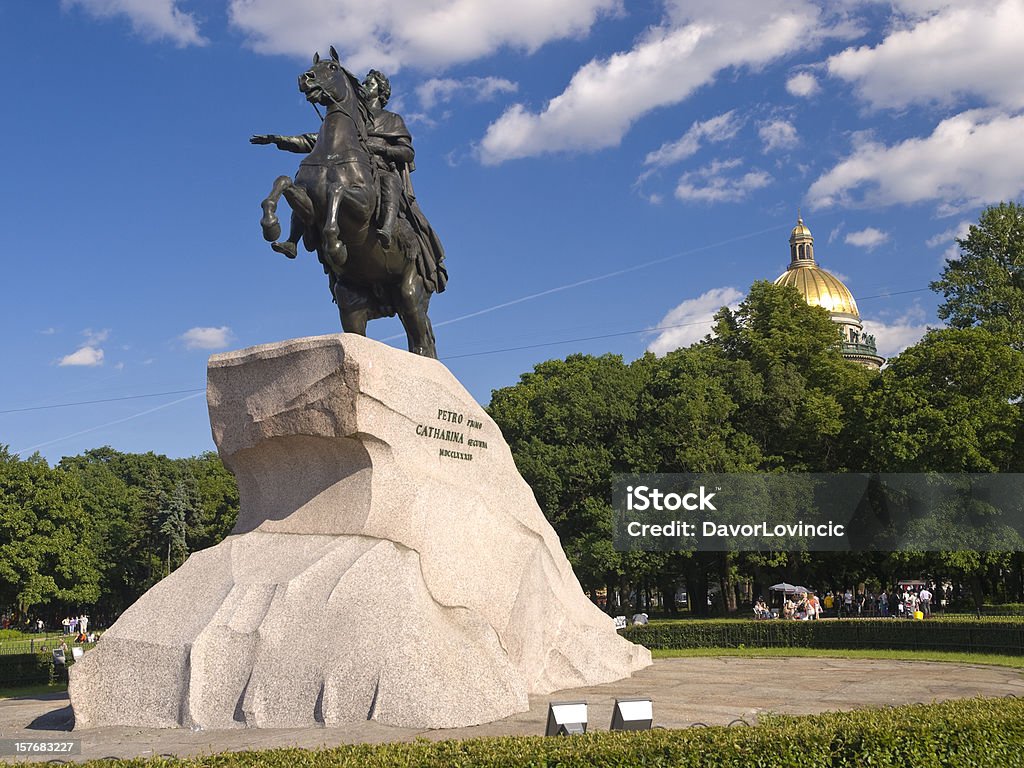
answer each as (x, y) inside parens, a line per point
(327, 82)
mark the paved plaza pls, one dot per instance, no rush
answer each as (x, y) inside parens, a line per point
(710, 690)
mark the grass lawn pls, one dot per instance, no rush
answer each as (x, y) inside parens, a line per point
(32, 690)
(859, 653)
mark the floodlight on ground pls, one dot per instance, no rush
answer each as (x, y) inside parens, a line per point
(566, 718)
(632, 715)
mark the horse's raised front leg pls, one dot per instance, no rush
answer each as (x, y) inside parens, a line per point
(302, 218)
(270, 223)
(334, 249)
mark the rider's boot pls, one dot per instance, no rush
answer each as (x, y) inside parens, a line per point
(389, 192)
(386, 232)
(290, 247)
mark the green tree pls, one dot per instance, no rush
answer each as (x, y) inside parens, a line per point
(686, 414)
(686, 423)
(179, 510)
(985, 285)
(45, 536)
(216, 497)
(796, 396)
(948, 404)
(129, 498)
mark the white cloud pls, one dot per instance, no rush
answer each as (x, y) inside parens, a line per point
(606, 96)
(969, 160)
(48, 331)
(90, 353)
(967, 48)
(692, 320)
(892, 338)
(422, 33)
(715, 129)
(711, 184)
(85, 356)
(778, 134)
(207, 338)
(948, 239)
(869, 238)
(441, 90)
(153, 19)
(803, 84)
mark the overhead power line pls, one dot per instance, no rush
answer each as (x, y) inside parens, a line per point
(501, 350)
(104, 400)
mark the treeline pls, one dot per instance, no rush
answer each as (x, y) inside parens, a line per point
(96, 531)
(768, 390)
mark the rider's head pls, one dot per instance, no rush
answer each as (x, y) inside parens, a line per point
(376, 82)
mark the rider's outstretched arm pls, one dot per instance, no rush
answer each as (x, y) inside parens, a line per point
(302, 144)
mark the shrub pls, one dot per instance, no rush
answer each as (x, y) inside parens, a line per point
(953, 634)
(982, 733)
(17, 669)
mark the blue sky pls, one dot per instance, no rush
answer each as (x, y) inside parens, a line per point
(594, 168)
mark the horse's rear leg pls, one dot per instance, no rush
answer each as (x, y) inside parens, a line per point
(334, 249)
(413, 300)
(353, 307)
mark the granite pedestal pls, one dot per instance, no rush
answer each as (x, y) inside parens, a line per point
(389, 563)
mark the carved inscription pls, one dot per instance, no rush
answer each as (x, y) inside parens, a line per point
(454, 429)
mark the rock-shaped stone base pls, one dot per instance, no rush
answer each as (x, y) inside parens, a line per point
(388, 562)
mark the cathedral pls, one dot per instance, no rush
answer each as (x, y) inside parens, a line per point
(821, 289)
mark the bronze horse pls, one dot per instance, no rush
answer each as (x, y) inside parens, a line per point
(335, 195)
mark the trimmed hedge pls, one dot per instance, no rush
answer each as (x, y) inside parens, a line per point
(982, 733)
(966, 608)
(1003, 609)
(954, 634)
(18, 669)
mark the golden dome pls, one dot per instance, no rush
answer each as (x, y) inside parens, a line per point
(819, 288)
(800, 230)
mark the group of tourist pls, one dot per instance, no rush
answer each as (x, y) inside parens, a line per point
(75, 625)
(803, 606)
(902, 602)
(11, 621)
(72, 625)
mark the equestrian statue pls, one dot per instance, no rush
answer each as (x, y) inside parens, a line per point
(352, 202)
